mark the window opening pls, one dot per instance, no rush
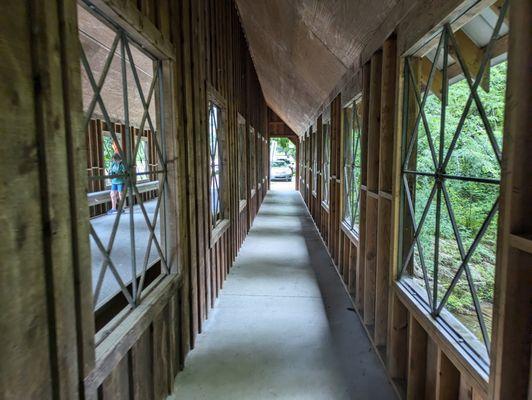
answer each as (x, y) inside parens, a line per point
(242, 157)
(451, 165)
(252, 150)
(122, 102)
(215, 132)
(314, 144)
(325, 167)
(352, 167)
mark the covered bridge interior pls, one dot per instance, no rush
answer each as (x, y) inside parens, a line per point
(147, 253)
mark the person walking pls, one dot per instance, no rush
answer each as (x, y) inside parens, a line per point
(117, 182)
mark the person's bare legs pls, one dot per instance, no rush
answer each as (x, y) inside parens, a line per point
(119, 193)
(113, 199)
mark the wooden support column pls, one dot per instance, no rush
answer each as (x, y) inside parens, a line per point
(372, 187)
(413, 109)
(334, 187)
(387, 128)
(319, 143)
(511, 353)
(363, 191)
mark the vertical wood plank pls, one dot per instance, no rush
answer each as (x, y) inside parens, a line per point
(417, 359)
(353, 258)
(142, 367)
(116, 385)
(23, 296)
(511, 373)
(372, 185)
(161, 384)
(398, 351)
(449, 379)
(363, 179)
(433, 370)
(387, 129)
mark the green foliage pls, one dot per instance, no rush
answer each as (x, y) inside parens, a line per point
(285, 146)
(473, 156)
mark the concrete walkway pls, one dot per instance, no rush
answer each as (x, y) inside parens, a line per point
(282, 327)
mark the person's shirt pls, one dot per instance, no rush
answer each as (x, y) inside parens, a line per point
(117, 168)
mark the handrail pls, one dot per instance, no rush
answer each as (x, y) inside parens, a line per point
(95, 198)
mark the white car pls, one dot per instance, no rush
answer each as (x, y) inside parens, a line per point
(281, 171)
(290, 162)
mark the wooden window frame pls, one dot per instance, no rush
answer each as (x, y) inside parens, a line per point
(314, 169)
(105, 348)
(350, 225)
(252, 160)
(217, 230)
(242, 157)
(326, 164)
(445, 332)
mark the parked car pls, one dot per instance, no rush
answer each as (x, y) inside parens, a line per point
(290, 162)
(281, 171)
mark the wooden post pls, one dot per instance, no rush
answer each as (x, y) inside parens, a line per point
(398, 349)
(413, 109)
(417, 360)
(363, 195)
(511, 353)
(372, 187)
(382, 280)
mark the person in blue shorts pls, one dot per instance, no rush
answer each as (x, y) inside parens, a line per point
(117, 182)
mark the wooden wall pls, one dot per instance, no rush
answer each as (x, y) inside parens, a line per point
(421, 361)
(48, 335)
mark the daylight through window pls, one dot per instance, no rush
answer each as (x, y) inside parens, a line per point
(451, 167)
(126, 164)
(352, 171)
(215, 132)
(325, 164)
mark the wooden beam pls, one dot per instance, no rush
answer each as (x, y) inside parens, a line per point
(499, 47)
(510, 372)
(363, 175)
(473, 56)
(386, 139)
(437, 81)
(418, 32)
(373, 186)
(496, 7)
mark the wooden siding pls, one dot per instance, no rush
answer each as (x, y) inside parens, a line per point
(421, 360)
(46, 284)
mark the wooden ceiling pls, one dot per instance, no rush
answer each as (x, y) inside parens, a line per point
(302, 48)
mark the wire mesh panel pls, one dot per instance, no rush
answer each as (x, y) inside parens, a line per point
(121, 86)
(451, 166)
(325, 164)
(352, 165)
(215, 170)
